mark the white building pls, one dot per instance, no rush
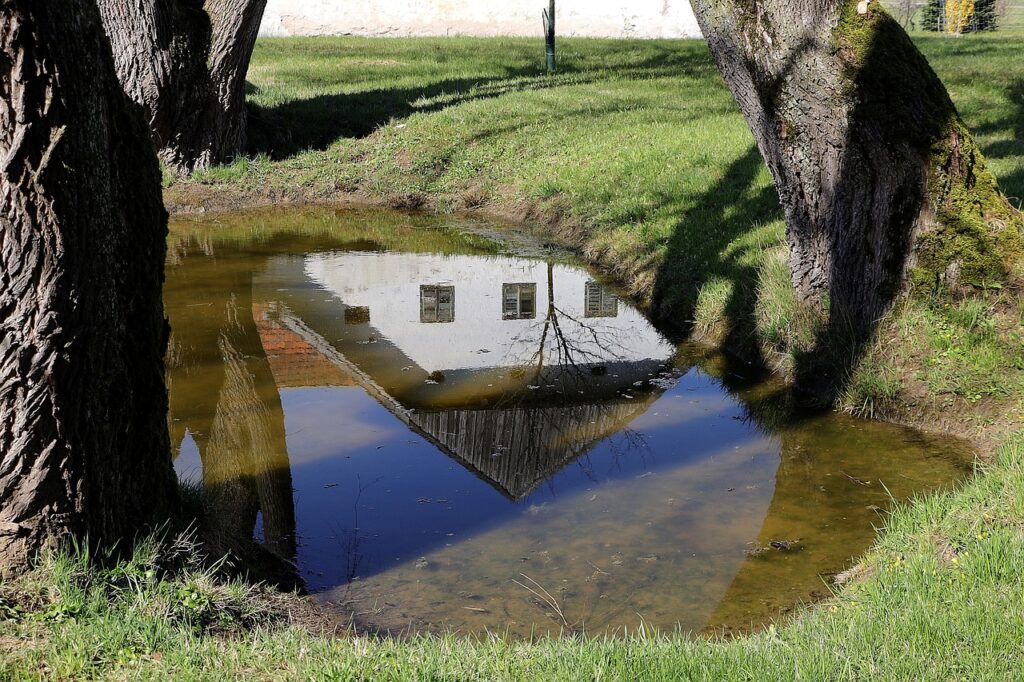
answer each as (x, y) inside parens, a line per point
(451, 313)
(591, 18)
(514, 367)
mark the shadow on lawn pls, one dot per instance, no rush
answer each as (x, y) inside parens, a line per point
(1012, 184)
(868, 240)
(318, 122)
(729, 210)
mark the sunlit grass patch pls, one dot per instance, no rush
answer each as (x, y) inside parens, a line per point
(634, 153)
(243, 169)
(969, 353)
(941, 596)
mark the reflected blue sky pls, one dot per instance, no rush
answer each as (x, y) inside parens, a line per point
(419, 429)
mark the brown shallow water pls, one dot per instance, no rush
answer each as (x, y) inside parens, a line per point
(439, 432)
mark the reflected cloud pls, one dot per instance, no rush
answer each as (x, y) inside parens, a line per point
(400, 451)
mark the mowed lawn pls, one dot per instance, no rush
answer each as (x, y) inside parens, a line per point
(635, 153)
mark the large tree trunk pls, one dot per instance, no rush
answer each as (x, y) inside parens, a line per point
(881, 182)
(185, 61)
(83, 433)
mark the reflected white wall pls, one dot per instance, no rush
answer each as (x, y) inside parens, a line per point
(478, 337)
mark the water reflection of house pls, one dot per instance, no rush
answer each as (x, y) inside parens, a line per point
(513, 392)
(519, 301)
(293, 362)
(600, 301)
(437, 303)
(517, 449)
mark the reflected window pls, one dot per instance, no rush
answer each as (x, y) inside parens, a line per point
(518, 301)
(357, 315)
(437, 303)
(599, 301)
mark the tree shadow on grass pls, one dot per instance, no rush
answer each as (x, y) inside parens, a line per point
(1013, 183)
(695, 257)
(714, 252)
(316, 123)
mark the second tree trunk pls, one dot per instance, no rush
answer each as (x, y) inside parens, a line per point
(185, 62)
(882, 185)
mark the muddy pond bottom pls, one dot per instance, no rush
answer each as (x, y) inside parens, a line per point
(434, 431)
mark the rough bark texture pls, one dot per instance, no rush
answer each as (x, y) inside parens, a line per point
(185, 61)
(880, 181)
(83, 437)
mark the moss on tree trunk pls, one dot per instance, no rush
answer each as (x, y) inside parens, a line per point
(882, 184)
(967, 234)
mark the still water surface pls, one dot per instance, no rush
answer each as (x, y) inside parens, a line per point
(441, 432)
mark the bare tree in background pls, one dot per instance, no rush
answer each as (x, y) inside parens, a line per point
(903, 12)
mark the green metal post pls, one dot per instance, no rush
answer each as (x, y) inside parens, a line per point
(549, 34)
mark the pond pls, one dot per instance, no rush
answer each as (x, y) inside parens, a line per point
(439, 432)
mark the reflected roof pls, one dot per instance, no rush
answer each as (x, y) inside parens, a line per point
(513, 400)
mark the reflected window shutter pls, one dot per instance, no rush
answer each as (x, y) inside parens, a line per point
(510, 298)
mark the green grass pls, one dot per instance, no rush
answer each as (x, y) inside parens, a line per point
(940, 597)
(635, 154)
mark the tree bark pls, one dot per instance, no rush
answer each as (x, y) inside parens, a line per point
(881, 182)
(83, 434)
(185, 62)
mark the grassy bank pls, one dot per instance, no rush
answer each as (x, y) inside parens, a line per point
(635, 154)
(940, 597)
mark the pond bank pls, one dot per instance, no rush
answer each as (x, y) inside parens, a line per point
(889, 384)
(940, 596)
(623, 157)
(518, 415)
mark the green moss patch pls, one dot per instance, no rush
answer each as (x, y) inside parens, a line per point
(976, 237)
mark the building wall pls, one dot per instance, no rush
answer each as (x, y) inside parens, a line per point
(478, 336)
(596, 18)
